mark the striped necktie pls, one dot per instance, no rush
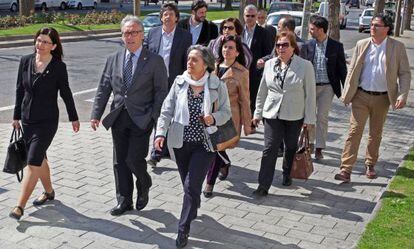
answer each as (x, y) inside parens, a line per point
(128, 71)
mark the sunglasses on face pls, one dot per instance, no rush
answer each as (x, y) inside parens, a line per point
(282, 45)
(228, 27)
(250, 16)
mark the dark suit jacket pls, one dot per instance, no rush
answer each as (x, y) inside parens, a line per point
(209, 31)
(261, 46)
(144, 97)
(271, 32)
(178, 55)
(36, 98)
(336, 64)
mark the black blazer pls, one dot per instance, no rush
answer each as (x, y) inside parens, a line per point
(260, 46)
(271, 32)
(144, 97)
(209, 31)
(36, 98)
(178, 55)
(335, 62)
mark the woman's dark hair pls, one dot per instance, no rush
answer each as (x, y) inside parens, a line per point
(319, 22)
(239, 47)
(292, 40)
(198, 5)
(235, 21)
(170, 6)
(387, 20)
(57, 53)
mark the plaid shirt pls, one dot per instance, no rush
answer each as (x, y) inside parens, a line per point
(319, 62)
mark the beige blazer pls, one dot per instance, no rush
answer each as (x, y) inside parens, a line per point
(396, 67)
(296, 100)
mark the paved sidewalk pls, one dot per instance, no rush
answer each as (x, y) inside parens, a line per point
(319, 213)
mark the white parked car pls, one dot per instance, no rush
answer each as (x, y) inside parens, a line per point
(273, 19)
(11, 5)
(46, 4)
(365, 19)
(342, 13)
(79, 4)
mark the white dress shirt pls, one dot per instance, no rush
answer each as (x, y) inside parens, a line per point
(136, 53)
(195, 30)
(165, 47)
(373, 71)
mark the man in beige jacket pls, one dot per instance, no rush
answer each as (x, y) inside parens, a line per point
(378, 76)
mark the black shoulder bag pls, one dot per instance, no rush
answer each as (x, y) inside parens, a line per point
(16, 158)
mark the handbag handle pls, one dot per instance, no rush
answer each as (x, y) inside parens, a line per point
(304, 138)
(16, 134)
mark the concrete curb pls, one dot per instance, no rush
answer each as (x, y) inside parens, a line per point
(27, 40)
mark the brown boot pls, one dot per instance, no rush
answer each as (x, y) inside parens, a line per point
(318, 154)
(343, 176)
(370, 172)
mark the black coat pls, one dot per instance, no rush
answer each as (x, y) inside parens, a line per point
(178, 55)
(335, 62)
(36, 96)
(209, 31)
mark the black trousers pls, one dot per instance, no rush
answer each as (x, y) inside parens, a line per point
(193, 161)
(276, 131)
(130, 150)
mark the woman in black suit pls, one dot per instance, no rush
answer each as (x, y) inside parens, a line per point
(41, 75)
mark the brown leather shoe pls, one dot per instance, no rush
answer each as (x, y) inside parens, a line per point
(370, 172)
(343, 176)
(318, 154)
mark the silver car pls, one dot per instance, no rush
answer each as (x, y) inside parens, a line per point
(365, 19)
(11, 5)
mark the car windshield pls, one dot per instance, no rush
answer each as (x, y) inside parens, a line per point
(151, 21)
(274, 19)
(280, 6)
(369, 13)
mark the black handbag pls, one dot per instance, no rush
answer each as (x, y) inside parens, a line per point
(225, 136)
(16, 158)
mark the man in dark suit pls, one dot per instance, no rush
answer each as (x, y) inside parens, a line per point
(260, 44)
(261, 20)
(202, 31)
(171, 43)
(328, 59)
(139, 86)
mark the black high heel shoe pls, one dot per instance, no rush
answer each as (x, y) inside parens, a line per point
(15, 215)
(44, 197)
(224, 172)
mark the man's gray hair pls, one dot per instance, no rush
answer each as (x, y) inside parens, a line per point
(250, 7)
(206, 55)
(131, 18)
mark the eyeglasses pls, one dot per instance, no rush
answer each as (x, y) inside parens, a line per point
(131, 33)
(250, 16)
(43, 42)
(282, 45)
(377, 25)
(228, 27)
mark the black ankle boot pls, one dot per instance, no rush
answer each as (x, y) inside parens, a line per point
(287, 180)
(182, 240)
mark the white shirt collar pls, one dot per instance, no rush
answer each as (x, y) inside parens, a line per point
(383, 44)
(169, 34)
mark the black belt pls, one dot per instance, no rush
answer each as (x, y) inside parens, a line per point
(371, 92)
(322, 84)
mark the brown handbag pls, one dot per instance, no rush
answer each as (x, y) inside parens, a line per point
(302, 166)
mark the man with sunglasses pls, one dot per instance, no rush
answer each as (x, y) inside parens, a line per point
(137, 79)
(260, 45)
(328, 59)
(202, 31)
(379, 77)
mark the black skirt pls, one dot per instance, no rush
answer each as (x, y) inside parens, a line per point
(38, 137)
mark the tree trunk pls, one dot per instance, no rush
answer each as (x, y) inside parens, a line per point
(25, 7)
(227, 5)
(260, 4)
(379, 6)
(409, 13)
(137, 7)
(305, 21)
(398, 19)
(333, 19)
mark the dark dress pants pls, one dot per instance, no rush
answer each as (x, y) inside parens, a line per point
(276, 131)
(193, 162)
(130, 150)
(215, 167)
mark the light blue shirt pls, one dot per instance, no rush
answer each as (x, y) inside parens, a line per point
(195, 31)
(319, 62)
(165, 47)
(248, 35)
(373, 77)
(137, 53)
